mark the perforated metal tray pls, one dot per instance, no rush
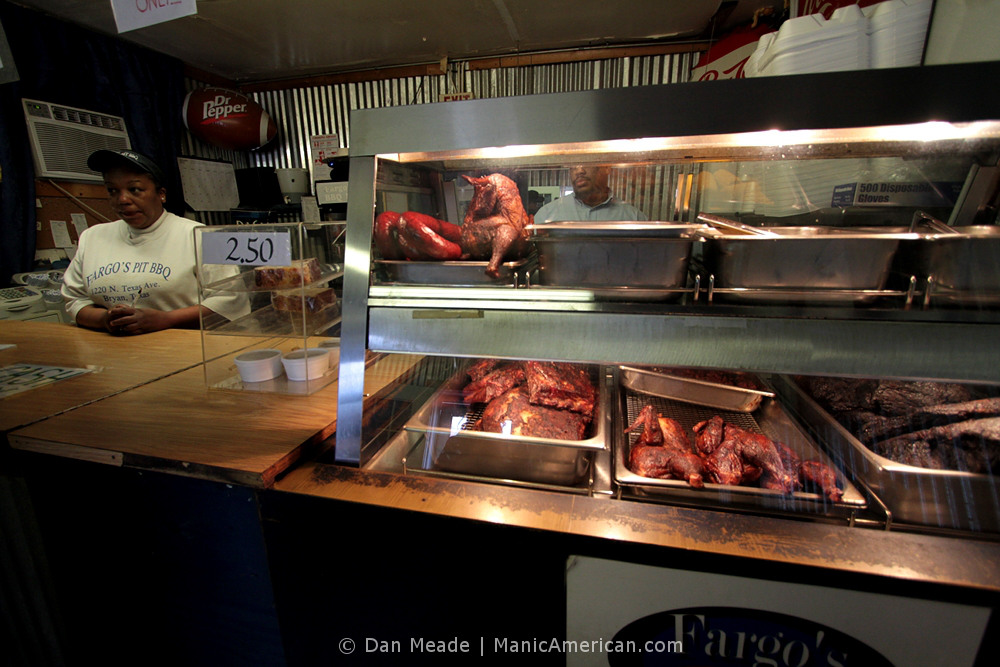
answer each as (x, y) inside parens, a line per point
(768, 419)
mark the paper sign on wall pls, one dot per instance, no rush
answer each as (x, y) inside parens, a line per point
(60, 234)
(79, 223)
(134, 14)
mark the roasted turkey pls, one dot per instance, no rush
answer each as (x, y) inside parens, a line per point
(495, 223)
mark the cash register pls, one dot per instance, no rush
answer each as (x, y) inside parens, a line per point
(20, 302)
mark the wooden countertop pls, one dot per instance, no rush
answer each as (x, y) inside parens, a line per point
(117, 363)
(178, 424)
(953, 561)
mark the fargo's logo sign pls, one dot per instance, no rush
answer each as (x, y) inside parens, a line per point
(735, 637)
(220, 108)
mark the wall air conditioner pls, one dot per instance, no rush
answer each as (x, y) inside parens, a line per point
(62, 138)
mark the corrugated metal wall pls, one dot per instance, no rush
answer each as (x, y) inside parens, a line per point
(304, 112)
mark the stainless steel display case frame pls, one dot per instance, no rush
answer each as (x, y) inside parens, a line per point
(821, 115)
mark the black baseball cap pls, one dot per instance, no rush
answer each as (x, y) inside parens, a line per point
(105, 159)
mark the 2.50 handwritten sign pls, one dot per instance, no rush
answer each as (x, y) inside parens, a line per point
(247, 248)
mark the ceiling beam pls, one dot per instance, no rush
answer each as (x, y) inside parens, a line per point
(439, 68)
(580, 55)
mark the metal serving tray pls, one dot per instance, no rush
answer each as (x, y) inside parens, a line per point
(626, 255)
(770, 419)
(947, 499)
(690, 390)
(457, 273)
(450, 447)
(962, 267)
(802, 264)
(611, 229)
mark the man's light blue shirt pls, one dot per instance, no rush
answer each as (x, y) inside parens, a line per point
(571, 208)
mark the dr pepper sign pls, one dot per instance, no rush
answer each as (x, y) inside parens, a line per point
(227, 119)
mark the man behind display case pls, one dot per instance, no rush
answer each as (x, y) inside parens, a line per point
(591, 200)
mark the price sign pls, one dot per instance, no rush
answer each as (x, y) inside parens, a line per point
(247, 248)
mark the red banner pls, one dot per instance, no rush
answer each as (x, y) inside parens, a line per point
(726, 58)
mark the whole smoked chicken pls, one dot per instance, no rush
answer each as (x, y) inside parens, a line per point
(495, 223)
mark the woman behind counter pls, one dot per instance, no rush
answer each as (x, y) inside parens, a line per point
(137, 274)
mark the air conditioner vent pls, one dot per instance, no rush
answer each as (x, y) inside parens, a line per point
(62, 138)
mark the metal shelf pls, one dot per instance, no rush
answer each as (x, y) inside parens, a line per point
(879, 348)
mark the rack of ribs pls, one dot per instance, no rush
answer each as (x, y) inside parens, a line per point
(531, 398)
(513, 413)
(560, 385)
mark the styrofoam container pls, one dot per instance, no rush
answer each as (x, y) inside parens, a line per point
(53, 299)
(812, 43)
(898, 29)
(259, 365)
(309, 363)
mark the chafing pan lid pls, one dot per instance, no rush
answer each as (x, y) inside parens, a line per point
(828, 234)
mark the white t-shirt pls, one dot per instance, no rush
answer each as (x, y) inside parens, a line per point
(114, 262)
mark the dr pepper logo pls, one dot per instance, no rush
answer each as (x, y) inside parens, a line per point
(222, 107)
(737, 637)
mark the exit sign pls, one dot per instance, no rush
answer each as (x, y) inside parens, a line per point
(455, 97)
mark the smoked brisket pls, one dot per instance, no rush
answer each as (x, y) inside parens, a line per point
(936, 425)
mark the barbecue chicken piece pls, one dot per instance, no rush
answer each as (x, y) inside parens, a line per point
(651, 433)
(823, 476)
(667, 463)
(513, 414)
(759, 452)
(740, 457)
(494, 224)
(663, 450)
(806, 474)
(708, 435)
(560, 385)
(674, 435)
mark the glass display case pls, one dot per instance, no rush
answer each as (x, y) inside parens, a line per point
(279, 285)
(790, 257)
